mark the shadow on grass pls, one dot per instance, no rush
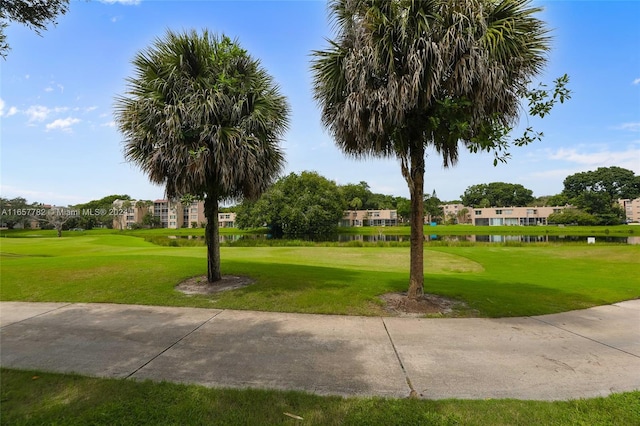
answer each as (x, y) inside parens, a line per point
(314, 289)
(292, 276)
(302, 288)
(353, 291)
(493, 298)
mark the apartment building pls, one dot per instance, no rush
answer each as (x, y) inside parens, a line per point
(126, 213)
(369, 218)
(512, 216)
(631, 209)
(174, 215)
(193, 215)
(457, 213)
(227, 220)
(170, 214)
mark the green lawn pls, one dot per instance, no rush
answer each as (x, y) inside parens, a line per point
(495, 280)
(36, 398)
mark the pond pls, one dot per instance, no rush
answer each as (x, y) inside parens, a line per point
(230, 238)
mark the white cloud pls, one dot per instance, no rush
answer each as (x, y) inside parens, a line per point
(125, 2)
(628, 159)
(12, 110)
(109, 124)
(48, 89)
(37, 113)
(634, 127)
(41, 113)
(636, 81)
(62, 124)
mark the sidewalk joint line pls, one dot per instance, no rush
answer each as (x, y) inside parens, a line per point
(173, 344)
(584, 337)
(36, 316)
(412, 391)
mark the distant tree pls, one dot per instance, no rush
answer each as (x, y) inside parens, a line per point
(616, 182)
(56, 218)
(403, 207)
(202, 117)
(380, 202)
(355, 193)
(141, 204)
(304, 204)
(432, 207)
(97, 212)
(151, 221)
(463, 215)
(550, 200)
(15, 212)
(359, 196)
(404, 75)
(596, 192)
(572, 217)
(355, 204)
(497, 194)
(35, 14)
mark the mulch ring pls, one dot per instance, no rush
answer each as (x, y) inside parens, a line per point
(200, 285)
(398, 304)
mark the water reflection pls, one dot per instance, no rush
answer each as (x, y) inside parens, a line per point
(343, 238)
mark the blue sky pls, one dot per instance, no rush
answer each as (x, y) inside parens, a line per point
(59, 144)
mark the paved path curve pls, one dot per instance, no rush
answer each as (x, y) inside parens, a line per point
(586, 353)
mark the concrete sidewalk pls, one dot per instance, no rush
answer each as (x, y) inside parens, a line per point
(577, 354)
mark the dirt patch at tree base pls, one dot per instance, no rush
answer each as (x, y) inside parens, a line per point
(429, 305)
(200, 285)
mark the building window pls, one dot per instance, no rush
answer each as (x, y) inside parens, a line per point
(478, 212)
(508, 211)
(498, 211)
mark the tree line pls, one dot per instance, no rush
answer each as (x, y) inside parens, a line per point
(311, 204)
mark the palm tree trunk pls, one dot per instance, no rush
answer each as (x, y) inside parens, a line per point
(416, 189)
(212, 237)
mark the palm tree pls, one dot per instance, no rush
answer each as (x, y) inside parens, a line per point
(463, 215)
(404, 75)
(203, 118)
